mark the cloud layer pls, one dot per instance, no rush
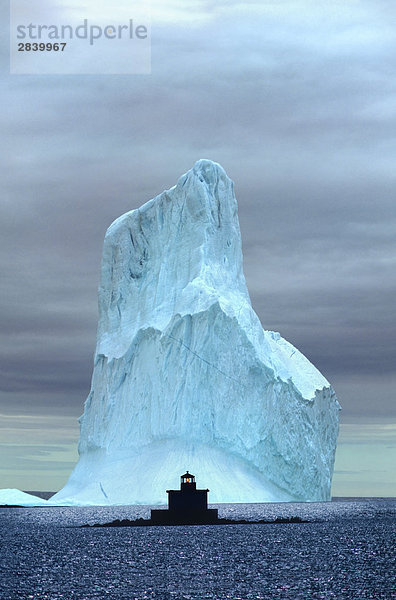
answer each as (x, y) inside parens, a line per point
(296, 101)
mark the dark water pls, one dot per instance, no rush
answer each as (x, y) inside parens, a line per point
(346, 551)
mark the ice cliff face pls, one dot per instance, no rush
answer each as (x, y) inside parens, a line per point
(184, 375)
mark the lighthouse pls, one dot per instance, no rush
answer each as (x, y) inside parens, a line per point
(186, 506)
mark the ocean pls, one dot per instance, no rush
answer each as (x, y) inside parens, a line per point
(345, 552)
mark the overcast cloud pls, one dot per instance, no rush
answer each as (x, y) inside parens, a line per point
(297, 101)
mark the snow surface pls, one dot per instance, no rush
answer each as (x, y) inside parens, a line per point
(17, 498)
(184, 375)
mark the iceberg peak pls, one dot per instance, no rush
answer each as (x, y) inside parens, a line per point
(208, 171)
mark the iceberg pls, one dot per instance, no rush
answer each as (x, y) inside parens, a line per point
(15, 497)
(184, 375)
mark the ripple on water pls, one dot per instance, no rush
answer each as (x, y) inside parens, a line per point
(345, 552)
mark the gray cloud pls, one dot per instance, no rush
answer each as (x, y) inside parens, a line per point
(297, 104)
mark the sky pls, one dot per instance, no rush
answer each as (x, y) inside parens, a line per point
(296, 100)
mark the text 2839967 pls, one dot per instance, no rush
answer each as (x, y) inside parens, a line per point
(41, 47)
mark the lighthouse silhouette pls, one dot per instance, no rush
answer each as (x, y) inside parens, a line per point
(187, 506)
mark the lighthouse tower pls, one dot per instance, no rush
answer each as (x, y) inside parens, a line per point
(186, 506)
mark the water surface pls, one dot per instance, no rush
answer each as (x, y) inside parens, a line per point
(345, 552)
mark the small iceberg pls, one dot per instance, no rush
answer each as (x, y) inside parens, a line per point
(14, 497)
